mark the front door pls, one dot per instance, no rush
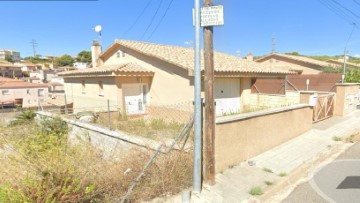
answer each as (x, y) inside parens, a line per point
(135, 98)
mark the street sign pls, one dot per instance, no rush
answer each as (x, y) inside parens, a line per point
(212, 16)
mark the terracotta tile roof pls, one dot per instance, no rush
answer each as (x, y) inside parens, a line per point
(8, 83)
(122, 68)
(340, 62)
(184, 58)
(4, 63)
(296, 58)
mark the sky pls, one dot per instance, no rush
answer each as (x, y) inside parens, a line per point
(66, 27)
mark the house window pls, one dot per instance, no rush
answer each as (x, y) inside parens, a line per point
(28, 91)
(83, 86)
(5, 92)
(40, 92)
(123, 54)
(101, 88)
(118, 54)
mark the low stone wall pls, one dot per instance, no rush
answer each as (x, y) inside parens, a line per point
(244, 136)
(111, 142)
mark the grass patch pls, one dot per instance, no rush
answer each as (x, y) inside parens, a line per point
(337, 139)
(256, 191)
(282, 174)
(267, 170)
(268, 183)
(154, 128)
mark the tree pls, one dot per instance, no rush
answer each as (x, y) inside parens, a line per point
(295, 53)
(9, 58)
(64, 60)
(84, 56)
(352, 75)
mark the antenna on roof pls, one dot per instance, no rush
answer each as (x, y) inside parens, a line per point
(98, 29)
(273, 44)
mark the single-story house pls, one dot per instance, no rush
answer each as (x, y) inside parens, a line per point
(8, 69)
(27, 67)
(137, 74)
(301, 64)
(24, 93)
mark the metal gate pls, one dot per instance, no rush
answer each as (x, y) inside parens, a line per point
(324, 107)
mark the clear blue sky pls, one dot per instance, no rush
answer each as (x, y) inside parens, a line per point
(60, 27)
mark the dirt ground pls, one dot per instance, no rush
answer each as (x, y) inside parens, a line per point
(353, 138)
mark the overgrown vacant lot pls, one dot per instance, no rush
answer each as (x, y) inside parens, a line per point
(38, 165)
(149, 127)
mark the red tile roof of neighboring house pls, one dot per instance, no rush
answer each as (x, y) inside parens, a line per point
(184, 58)
(8, 83)
(54, 84)
(120, 68)
(4, 63)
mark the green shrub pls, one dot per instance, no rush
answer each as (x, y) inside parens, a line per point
(256, 191)
(55, 126)
(24, 116)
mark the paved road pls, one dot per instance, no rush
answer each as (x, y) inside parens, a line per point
(338, 181)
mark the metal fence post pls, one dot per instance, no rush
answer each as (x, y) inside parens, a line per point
(66, 109)
(108, 105)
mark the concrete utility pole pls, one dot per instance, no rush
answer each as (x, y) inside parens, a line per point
(197, 102)
(209, 140)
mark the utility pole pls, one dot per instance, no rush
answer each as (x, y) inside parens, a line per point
(345, 50)
(34, 45)
(209, 140)
(197, 103)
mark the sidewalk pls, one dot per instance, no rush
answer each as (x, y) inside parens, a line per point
(234, 184)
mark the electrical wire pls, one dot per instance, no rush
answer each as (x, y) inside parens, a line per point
(339, 12)
(152, 19)
(162, 18)
(357, 2)
(342, 6)
(138, 18)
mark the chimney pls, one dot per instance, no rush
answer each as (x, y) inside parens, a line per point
(250, 57)
(95, 54)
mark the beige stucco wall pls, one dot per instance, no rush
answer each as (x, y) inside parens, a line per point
(90, 98)
(162, 90)
(308, 69)
(239, 140)
(30, 99)
(346, 98)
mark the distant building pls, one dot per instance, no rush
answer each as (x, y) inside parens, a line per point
(23, 93)
(9, 70)
(13, 54)
(80, 65)
(301, 64)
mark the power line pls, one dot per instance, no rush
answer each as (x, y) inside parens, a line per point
(357, 2)
(162, 18)
(138, 18)
(339, 12)
(152, 19)
(342, 6)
